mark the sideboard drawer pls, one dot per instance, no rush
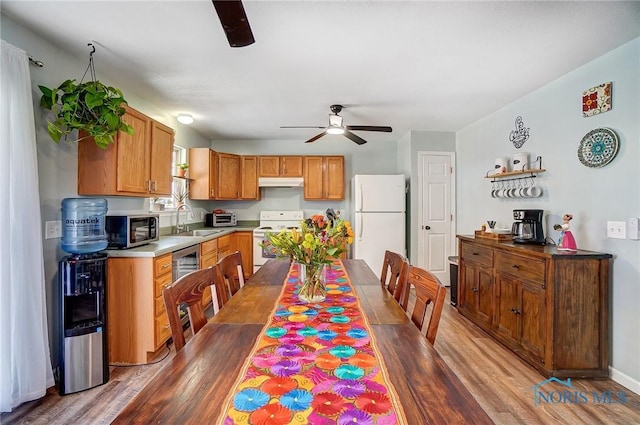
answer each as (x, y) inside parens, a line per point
(525, 267)
(477, 254)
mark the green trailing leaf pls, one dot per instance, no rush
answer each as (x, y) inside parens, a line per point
(91, 107)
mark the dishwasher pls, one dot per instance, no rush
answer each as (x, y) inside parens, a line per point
(185, 261)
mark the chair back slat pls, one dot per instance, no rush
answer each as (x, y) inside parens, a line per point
(393, 274)
(232, 272)
(428, 291)
(187, 290)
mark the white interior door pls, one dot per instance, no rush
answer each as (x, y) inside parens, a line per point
(436, 226)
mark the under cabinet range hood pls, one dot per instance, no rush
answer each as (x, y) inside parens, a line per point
(280, 182)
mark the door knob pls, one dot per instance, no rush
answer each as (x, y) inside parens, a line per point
(426, 227)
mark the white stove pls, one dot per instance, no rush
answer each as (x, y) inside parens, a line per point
(272, 221)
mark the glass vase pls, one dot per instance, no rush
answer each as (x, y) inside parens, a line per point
(312, 279)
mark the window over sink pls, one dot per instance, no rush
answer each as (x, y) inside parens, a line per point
(179, 187)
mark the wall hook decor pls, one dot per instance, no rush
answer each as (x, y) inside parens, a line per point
(520, 134)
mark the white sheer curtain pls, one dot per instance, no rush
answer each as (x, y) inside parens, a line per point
(25, 365)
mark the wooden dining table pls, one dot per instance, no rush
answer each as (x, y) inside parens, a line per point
(192, 387)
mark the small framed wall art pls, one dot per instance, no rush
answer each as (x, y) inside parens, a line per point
(596, 100)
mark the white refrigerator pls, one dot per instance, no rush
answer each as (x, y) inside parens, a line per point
(378, 217)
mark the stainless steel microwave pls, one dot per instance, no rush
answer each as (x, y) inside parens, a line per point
(128, 231)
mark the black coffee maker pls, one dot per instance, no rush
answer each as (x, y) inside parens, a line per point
(528, 227)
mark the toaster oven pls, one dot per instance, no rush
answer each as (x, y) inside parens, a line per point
(225, 219)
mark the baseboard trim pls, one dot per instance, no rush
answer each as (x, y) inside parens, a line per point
(624, 380)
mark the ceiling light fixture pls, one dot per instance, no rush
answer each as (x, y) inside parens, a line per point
(332, 129)
(185, 119)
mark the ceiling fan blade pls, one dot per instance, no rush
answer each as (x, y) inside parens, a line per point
(359, 140)
(298, 126)
(234, 22)
(314, 138)
(369, 128)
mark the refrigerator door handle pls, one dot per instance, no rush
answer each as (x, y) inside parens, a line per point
(361, 200)
(361, 224)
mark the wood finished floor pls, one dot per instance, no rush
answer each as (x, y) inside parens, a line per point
(500, 381)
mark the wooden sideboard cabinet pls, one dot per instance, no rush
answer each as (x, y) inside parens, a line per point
(550, 307)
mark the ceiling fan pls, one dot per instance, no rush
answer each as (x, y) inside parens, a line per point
(336, 127)
(234, 22)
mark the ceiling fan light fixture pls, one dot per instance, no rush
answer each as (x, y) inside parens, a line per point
(185, 119)
(332, 129)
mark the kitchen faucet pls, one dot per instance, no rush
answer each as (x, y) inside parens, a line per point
(179, 227)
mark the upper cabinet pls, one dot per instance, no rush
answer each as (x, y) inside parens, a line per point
(249, 172)
(222, 176)
(134, 165)
(280, 166)
(324, 177)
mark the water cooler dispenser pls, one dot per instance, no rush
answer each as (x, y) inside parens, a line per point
(84, 361)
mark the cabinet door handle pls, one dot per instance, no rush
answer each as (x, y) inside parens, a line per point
(166, 266)
(514, 310)
(155, 185)
(166, 327)
(148, 185)
(475, 253)
(475, 289)
(515, 266)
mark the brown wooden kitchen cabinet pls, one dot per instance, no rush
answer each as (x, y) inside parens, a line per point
(249, 189)
(208, 258)
(222, 176)
(323, 177)
(134, 165)
(203, 172)
(476, 283)
(244, 244)
(549, 307)
(138, 324)
(280, 166)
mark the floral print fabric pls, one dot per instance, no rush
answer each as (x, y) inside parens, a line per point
(314, 364)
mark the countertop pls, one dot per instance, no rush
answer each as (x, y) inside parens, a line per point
(547, 250)
(172, 243)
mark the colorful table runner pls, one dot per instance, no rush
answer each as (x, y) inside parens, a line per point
(314, 364)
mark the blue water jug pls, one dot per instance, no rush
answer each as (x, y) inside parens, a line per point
(83, 225)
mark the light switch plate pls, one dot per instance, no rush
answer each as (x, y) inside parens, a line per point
(52, 229)
(616, 229)
(634, 228)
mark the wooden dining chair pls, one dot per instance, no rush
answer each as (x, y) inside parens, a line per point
(189, 290)
(393, 274)
(231, 272)
(430, 294)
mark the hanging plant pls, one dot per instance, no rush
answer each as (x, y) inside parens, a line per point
(91, 107)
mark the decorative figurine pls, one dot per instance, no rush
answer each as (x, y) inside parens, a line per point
(566, 242)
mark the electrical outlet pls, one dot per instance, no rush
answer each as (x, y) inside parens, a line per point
(616, 229)
(634, 228)
(52, 229)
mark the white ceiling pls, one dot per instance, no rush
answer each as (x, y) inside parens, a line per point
(434, 66)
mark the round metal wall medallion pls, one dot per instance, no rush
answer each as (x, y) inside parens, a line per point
(598, 147)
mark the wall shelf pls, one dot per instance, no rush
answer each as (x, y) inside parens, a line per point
(518, 174)
(182, 178)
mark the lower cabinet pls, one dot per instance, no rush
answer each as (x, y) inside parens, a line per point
(548, 307)
(208, 258)
(138, 325)
(244, 244)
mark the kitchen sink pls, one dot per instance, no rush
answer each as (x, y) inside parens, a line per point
(199, 232)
